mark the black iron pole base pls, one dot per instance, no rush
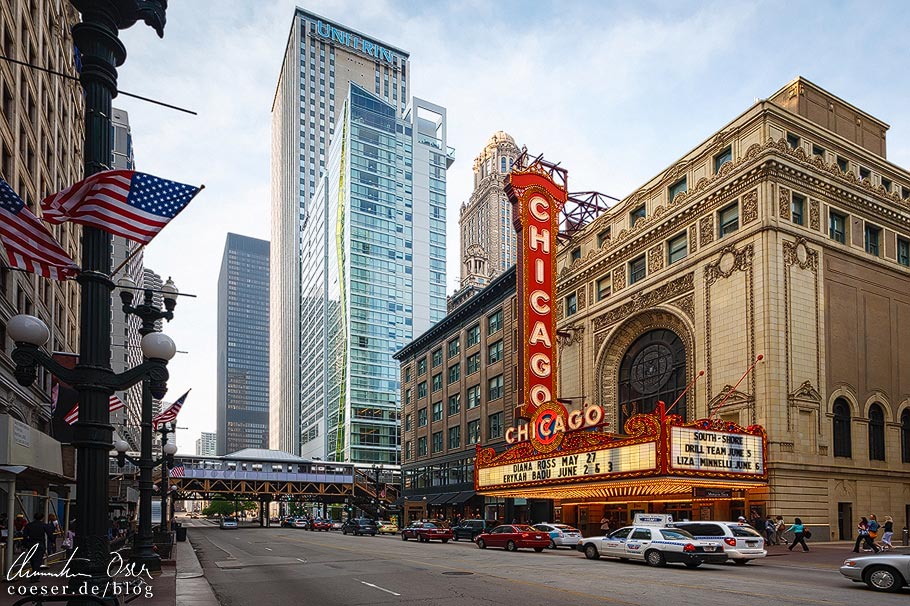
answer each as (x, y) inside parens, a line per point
(143, 554)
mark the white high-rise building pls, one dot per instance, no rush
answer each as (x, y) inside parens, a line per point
(206, 444)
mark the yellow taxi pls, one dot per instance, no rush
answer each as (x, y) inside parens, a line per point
(386, 527)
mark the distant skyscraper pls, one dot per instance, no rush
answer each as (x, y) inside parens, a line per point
(243, 345)
(127, 255)
(321, 58)
(373, 273)
(206, 444)
(153, 281)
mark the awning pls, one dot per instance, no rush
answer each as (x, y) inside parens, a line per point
(442, 498)
(461, 497)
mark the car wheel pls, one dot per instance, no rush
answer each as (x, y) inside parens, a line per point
(455, 538)
(481, 544)
(740, 561)
(552, 544)
(538, 549)
(591, 552)
(511, 546)
(655, 558)
(883, 578)
(445, 540)
(404, 537)
(344, 531)
(693, 564)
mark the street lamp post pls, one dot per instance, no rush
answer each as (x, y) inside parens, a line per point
(169, 449)
(376, 471)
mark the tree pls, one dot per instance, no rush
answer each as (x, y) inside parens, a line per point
(219, 507)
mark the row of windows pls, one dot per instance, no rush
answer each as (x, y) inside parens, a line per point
(453, 347)
(872, 237)
(454, 437)
(495, 387)
(843, 439)
(472, 365)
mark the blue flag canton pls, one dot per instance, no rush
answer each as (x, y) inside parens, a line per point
(9, 201)
(159, 196)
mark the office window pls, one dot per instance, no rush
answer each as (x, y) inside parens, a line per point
(407, 422)
(407, 451)
(421, 367)
(454, 404)
(473, 364)
(603, 237)
(422, 446)
(903, 252)
(494, 322)
(453, 348)
(576, 254)
(677, 248)
(473, 337)
(797, 208)
(422, 417)
(407, 396)
(905, 193)
(454, 372)
(873, 238)
(571, 304)
(494, 352)
(864, 173)
(437, 382)
(495, 388)
(722, 158)
(876, 433)
(494, 426)
(437, 358)
(637, 270)
(837, 227)
(677, 188)
(474, 432)
(792, 140)
(455, 437)
(886, 183)
(842, 164)
(437, 411)
(729, 219)
(407, 374)
(604, 288)
(422, 389)
(818, 151)
(635, 215)
(473, 397)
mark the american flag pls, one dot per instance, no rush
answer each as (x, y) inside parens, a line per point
(125, 203)
(169, 415)
(178, 471)
(29, 245)
(73, 415)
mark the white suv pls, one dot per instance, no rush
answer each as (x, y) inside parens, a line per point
(741, 542)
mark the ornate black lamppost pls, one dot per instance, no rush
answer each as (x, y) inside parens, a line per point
(169, 449)
(101, 53)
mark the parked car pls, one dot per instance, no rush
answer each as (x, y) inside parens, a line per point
(561, 535)
(742, 543)
(228, 523)
(425, 532)
(287, 522)
(300, 523)
(336, 525)
(881, 572)
(656, 545)
(320, 524)
(469, 529)
(359, 527)
(513, 537)
(386, 527)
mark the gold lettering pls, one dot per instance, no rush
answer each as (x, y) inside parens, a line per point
(539, 302)
(539, 207)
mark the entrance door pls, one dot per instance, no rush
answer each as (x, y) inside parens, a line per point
(845, 521)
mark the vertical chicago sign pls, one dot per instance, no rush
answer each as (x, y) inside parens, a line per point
(536, 205)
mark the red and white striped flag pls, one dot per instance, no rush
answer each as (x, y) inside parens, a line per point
(169, 415)
(73, 415)
(178, 471)
(28, 243)
(125, 203)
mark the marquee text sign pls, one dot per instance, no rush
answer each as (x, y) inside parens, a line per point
(536, 205)
(701, 450)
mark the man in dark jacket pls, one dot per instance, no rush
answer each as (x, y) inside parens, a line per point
(35, 534)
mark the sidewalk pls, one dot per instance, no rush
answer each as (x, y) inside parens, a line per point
(192, 587)
(825, 556)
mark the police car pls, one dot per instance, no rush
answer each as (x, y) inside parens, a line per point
(651, 540)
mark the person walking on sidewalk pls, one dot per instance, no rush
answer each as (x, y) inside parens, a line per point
(863, 536)
(35, 537)
(779, 528)
(769, 531)
(799, 532)
(887, 533)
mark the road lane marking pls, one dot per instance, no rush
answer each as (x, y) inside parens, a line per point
(377, 587)
(268, 549)
(302, 561)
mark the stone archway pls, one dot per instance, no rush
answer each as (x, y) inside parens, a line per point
(610, 356)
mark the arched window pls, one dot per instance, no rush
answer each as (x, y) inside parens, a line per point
(654, 368)
(905, 436)
(502, 164)
(876, 433)
(843, 446)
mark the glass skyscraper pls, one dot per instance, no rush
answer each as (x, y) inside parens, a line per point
(373, 272)
(243, 347)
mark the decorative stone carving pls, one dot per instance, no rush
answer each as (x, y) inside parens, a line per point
(750, 207)
(687, 305)
(798, 253)
(570, 335)
(655, 259)
(581, 297)
(806, 392)
(734, 399)
(644, 300)
(693, 239)
(706, 230)
(730, 260)
(814, 215)
(783, 202)
(619, 278)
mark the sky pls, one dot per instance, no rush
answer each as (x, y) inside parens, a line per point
(615, 91)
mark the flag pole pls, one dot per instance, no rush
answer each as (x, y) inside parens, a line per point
(688, 387)
(729, 393)
(127, 260)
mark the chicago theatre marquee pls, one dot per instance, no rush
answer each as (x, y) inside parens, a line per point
(726, 339)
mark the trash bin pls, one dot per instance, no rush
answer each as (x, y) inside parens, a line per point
(181, 532)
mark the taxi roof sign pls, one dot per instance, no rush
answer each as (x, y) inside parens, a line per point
(652, 519)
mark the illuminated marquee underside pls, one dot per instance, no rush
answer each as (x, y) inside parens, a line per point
(676, 489)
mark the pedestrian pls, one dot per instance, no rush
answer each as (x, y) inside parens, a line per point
(758, 523)
(800, 534)
(887, 533)
(769, 531)
(742, 520)
(70, 538)
(605, 525)
(779, 527)
(35, 537)
(53, 529)
(873, 527)
(863, 536)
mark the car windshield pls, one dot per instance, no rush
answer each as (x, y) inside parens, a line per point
(428, 525)
(522, 528)
(229, 520)
(744, 531)
(675, 534)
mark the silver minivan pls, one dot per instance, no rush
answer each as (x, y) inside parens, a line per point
(741, 542)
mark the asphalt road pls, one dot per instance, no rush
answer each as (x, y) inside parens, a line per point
(259, 567)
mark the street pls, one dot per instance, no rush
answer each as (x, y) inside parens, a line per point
(252, 566)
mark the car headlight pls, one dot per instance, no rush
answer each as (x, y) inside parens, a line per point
(850, 563)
